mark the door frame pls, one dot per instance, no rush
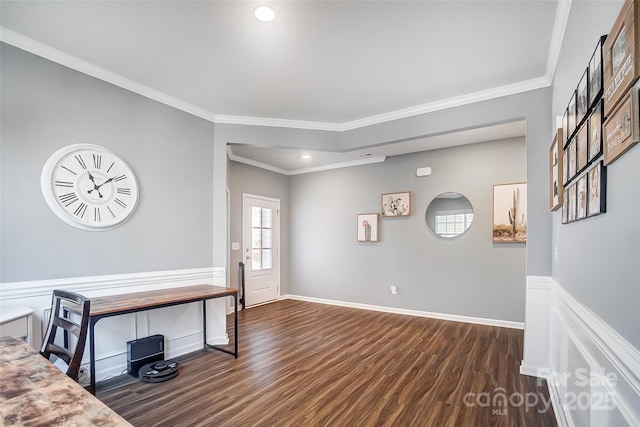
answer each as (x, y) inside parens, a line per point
(276, 265)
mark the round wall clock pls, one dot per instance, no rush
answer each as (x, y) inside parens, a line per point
(89, 187)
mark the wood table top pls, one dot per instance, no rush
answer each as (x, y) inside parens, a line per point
(36, 393)
(101, 306)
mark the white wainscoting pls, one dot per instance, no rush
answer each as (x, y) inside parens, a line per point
(181, 325)
(592, 372)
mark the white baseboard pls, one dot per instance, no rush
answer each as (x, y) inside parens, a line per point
(407, 312)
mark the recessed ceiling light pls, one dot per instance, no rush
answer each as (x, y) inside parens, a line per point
(306, 156)
(265, 14)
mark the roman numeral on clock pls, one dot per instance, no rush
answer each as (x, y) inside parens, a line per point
(120, 202)
(68, 199)
(96, 214)
(119, 178)
(64, 184)
(80, 210)
(97, 161)
(126, 191)
(80, 160)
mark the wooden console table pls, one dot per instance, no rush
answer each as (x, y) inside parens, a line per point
(34, 392)
(115, 305)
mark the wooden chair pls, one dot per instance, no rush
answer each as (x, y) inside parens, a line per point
(69, 315)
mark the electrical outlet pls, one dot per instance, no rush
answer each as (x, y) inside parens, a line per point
(394, 290)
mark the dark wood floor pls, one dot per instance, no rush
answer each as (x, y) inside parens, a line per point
(306, 364)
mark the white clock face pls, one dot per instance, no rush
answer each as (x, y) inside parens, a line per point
(89, 187)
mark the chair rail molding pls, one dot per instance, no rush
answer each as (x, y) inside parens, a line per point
(181, 325)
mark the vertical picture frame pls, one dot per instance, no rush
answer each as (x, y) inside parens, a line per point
(573, 161)
(565, 204)
(571, 204)
(565, 130)
(556, 188)
(510, 213)
(368, 226)
(597, 189)
(565, 167)
(581, 197)
(595, 73)
(571, 116)
(621, 129)
(595, 132)
(396, 204)
(582, 144)
(582, 97)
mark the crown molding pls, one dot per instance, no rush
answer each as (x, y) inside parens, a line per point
(557, 36)
(280, 123)
(367, 161)
(69, 61)
(562, 15)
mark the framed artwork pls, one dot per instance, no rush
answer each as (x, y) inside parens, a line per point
(597, 189)
(571, 205)
(565, 167)
(595, 132)
(555, 172)
(565, 204)
(565, 130)
(621, 130)
(396, 204)
(368, 227)
(571, 116)
(581, 197)
(510, 213)
(582, 101)
(572, 160)
(595, 73)
(619, 64)
(582, 140)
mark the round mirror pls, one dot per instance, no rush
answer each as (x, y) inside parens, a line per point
(449, 215)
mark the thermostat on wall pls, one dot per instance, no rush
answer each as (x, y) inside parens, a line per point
(426, 171)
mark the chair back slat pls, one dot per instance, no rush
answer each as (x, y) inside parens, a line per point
(69, 316)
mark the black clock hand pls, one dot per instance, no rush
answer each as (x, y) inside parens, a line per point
(95, 187)
(109, 180)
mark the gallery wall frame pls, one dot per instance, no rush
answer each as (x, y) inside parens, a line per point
(556, 172)
(396, 204)
(510, 213)
(621, 130)
(368, 227)
(595, 73)
(595, 132)
(581, 197)
(597, 189)
(582, 98)
(582, 144)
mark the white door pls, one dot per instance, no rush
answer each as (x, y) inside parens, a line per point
(261, 248)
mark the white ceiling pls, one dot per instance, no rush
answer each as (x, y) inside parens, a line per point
(333, 65)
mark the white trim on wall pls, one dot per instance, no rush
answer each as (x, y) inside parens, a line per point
(114, 332)
(560, 23)
(407, 312)
(111, 284)
(564, 340)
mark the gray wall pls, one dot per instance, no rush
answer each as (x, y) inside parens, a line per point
(465, 276)
(598, 258)
(46, 106)
(251, 180)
